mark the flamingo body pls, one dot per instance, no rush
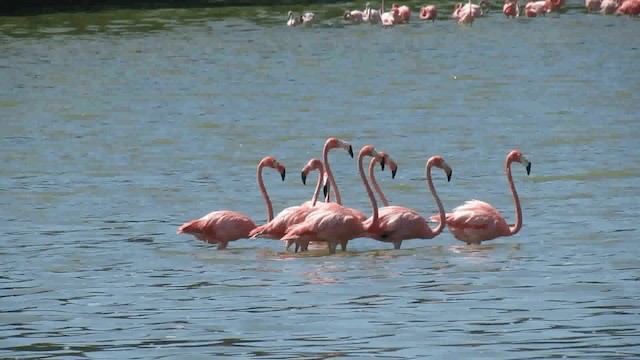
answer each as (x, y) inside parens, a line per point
(592, 5)
(429, 12)
(354, 16)
(510, 9)
(608, 7)
(629, 7)
(219, 227)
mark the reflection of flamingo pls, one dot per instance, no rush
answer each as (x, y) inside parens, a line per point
(399, 223)
(220, 227)
(334, 227)
(429, 12)
(276, 228)
(476, 221)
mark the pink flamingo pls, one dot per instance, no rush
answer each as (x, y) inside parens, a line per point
(402, 14)
(554, 5)
(608, 7)
(429, 12)
(388, 18)
(628, 7)
(220, 227)
(398, 223)
(371, 16)
(592, 5)
(334, 227)
(354, 16)
(476, 221)
(535, 8)
(466, 15)
(394, 169)
(511, 9)
(479, 10)
(277, 227)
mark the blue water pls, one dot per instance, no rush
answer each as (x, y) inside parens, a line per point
(119, 126)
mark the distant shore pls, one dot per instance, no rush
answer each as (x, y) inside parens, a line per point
(26, 7)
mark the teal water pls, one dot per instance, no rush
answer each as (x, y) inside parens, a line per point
(119, 126)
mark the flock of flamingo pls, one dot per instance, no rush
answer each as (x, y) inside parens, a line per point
(466, 13)
(331, 223)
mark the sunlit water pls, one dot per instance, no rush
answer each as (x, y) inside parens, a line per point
(119, 126)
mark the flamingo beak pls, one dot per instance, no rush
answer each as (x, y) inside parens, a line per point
(449, 173)
(325, 190)
(528, 167)
(393, 172)
(350, 151)
(304, 178)
(382, 162)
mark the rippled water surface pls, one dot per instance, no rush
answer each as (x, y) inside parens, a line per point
(118, 126)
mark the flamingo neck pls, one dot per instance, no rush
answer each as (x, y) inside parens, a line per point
(372, 198)
(265, 196)
(432, 188)
(316, 192)
(374, 182)
(327, 170)
(518, 225)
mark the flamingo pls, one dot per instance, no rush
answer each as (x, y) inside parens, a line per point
(354, 16)
(511, 9)
(608, 7)
(334, 226)
(394, 169)
(476, 221)
(220, 227)
(429, 12)
(388, 18)
(554, 5)
(277, 227)
(467, 15)
(592, 5)
(308, 18)
(402, 14)
(535, 8)
(370, 16)
(459, 10)
(628, 7)
(398, 223)
(291, 21)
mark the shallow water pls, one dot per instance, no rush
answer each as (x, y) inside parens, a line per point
(118, 126)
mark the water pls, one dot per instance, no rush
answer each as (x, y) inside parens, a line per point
(118, 126)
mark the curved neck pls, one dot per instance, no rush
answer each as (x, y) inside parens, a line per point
(316, 192)
(374, 182)
(327, 170)
(372, 198)
(263, 190)
(518, 225)
(443, 216)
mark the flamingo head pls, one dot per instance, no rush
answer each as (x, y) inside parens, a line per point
(271, 162)
(369, 150)
(290, 14)
(516, 156)
(439, 162)
(392, 164)
(347, 15)
(313, 164)
(334, 143)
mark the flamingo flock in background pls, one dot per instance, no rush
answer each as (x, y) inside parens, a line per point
(467, 13)
(332, 223)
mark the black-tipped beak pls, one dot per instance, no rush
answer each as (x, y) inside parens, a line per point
(382, 162)
(351, 151)
(304, 178)
(528, 168)
(393, 173)
(325, 190)
(283, 173)
(449, 175)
